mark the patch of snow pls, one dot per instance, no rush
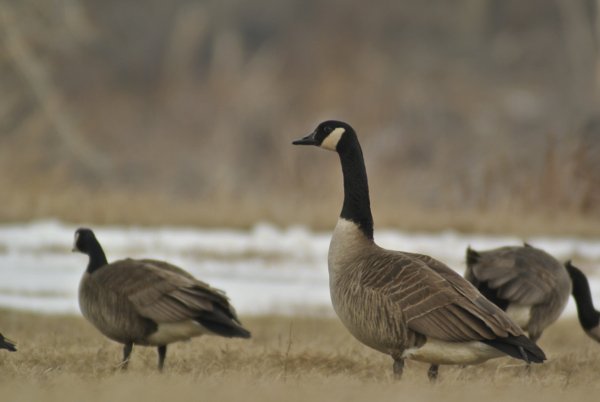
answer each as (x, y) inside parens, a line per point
(263, 270)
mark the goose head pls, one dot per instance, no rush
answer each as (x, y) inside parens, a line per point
(84, 241)
(330, 134)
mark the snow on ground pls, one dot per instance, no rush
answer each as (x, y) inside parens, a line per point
(263, 270)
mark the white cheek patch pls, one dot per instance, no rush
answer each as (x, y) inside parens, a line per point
(331, 141)
(75, 241)
(520, 314)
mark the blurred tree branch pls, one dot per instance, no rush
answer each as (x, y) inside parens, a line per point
(581, 50)
(48, 95)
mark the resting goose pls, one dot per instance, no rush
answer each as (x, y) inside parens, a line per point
(526, 282)
(148, 302)
(406, 305)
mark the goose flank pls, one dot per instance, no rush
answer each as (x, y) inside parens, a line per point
(406, 305)
(149, 302)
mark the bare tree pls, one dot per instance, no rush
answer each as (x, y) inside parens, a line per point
(578, 22)
(47, 94)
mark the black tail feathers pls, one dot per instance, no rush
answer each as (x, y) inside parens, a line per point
(519, 347)
(228, 330)
(7, 344)
(222, 322)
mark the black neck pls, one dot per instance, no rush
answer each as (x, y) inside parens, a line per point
(357, 206)
(97, 257)
(588, 316)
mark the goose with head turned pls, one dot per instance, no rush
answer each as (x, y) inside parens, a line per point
(406, 305)
(149, 302)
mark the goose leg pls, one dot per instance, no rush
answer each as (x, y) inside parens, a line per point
(432, 373)
(534, 336)
(126, 352)
(398, 368)
(162, 353)
(524, 356)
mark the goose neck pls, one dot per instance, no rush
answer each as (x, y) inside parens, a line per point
(587, 314)
(97, 258)
(357, 206)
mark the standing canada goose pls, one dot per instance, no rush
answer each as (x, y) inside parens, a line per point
(149, 302)
(7, 344)
(526, 282)
(589, 318)
(406, 305)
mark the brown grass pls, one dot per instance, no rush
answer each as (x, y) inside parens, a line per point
(62, 358)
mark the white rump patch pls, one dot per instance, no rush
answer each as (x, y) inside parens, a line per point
(75, 242)
(176, 331)
(330, 142)
(520, 314)
(441, 352)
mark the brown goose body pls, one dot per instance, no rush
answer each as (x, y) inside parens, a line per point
(412, 306)
(149, 302)
(404, 304)
(528, 283)
(156, 303)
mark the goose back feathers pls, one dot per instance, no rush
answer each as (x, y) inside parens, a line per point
(151, 294)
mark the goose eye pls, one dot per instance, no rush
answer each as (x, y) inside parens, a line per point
(328, 130)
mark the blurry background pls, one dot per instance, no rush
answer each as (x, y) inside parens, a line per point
(477, 115)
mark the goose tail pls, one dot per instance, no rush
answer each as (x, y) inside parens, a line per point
(519, 347)
(7, 344)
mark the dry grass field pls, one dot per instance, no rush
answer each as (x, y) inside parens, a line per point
(62, 358)
(156, 210)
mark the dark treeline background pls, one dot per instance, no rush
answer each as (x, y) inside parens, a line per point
(473, 114)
